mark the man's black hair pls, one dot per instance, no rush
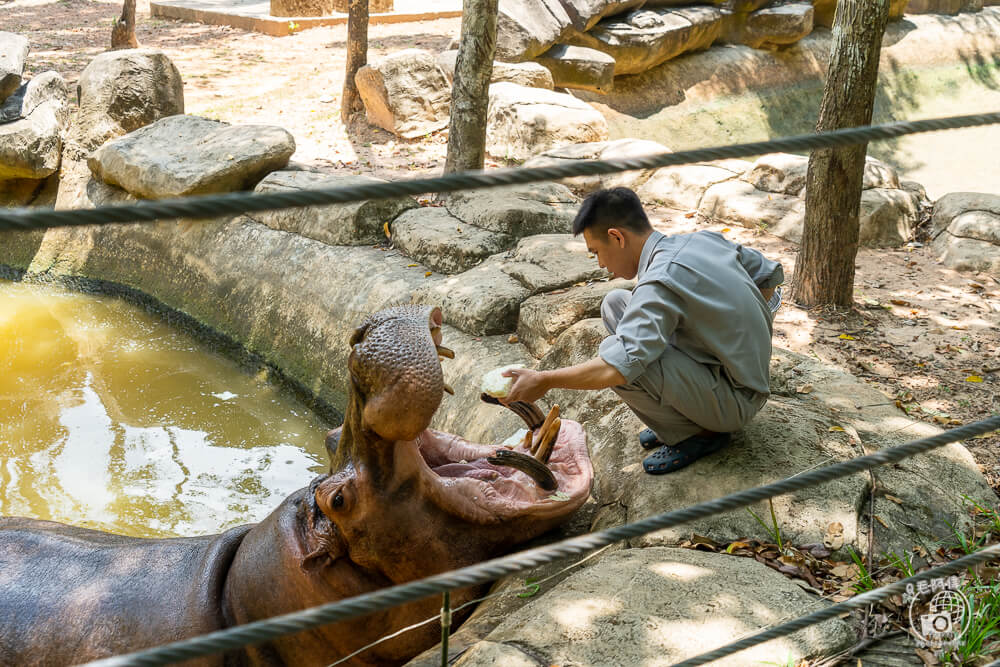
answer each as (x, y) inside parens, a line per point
(616, 207)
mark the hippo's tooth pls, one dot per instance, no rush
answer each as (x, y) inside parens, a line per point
(445, 352)
(546, 427)
(547, 441)
(447, 388)
(529, 465)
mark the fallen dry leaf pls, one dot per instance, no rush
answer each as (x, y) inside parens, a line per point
(839, 429)
(804, 389)
(834, 536)
(899, 302)
(974, 378)
(846, 337)
(894, 499)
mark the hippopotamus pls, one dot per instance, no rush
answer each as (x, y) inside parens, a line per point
(401, 501)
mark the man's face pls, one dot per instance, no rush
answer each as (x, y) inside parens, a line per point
(611, 252)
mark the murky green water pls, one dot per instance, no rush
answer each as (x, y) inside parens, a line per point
(111, 419)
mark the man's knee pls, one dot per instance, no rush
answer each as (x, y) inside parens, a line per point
(613, 307)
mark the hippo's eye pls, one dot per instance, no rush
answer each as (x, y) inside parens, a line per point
(338, 501)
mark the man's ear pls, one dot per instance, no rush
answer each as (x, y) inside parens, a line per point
(616, 237)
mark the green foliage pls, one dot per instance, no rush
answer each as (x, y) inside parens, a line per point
(774, 530)
(865, 581)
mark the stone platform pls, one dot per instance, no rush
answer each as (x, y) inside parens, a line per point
(254, 14)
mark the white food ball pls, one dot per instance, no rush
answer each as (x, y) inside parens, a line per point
(495, 384)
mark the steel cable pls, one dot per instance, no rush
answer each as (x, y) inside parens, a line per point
(212, 206)
(259, 631)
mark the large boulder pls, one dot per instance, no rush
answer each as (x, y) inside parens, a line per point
(547, 262)
(584, 14)
(119, 92)
(644, 38)
(351, 223)
(777, 26)
(545, 316)
(13, 53)
(31, 142)
(966, 231)
(619, 149)
(481, 301)
(406, 93)
(529, 74)
(682, 187)
(771, 195)
(527, 28)
(658, 606)
(517, 211)
(187, 155)
(523, 121)
(437, 239)
(579, 67)
(122, 91)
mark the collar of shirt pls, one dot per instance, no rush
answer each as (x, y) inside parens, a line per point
(647, 252)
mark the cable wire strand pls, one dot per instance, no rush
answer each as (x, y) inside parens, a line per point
(213, 206)
(259, 631)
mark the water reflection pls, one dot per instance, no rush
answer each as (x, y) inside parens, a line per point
(111, 419)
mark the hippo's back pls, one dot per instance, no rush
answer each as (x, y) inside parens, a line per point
(69, 595)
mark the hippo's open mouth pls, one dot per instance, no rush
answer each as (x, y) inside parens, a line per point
(397, 385)
(462, 481)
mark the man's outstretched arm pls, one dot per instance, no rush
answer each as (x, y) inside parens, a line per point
(531, 385)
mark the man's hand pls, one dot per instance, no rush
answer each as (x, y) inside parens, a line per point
(532, 385)
(528, 386)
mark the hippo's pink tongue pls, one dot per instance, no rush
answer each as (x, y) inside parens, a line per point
(463, 482)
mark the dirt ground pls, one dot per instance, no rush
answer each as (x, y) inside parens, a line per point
(928, 337)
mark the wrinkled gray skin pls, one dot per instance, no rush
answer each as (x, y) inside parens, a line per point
(401, 502)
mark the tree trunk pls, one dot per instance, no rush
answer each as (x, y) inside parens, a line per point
(123, 30)
(357, 57)
(824, 274)
(470, 92)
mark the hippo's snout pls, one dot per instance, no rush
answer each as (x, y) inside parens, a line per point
(395, 366)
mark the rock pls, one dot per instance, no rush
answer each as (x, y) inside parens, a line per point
(545, 316)
(777, 26)
(547, 262)
(122, 91)
(30, 148)
(887, 217)
(619, 149)
(644, 38)
(579, 67)
(682, 187)
(584, 14)
(13, 53)
(437, 239)
(779, 172)
(738, 202)
(527, 28)
(523, 121)
(352, 223)
(186, 155)
(481, 301)
(658, 605)
(405, 93)
(517, 210)
(966, 230)
(17, 192)
(529, 74)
